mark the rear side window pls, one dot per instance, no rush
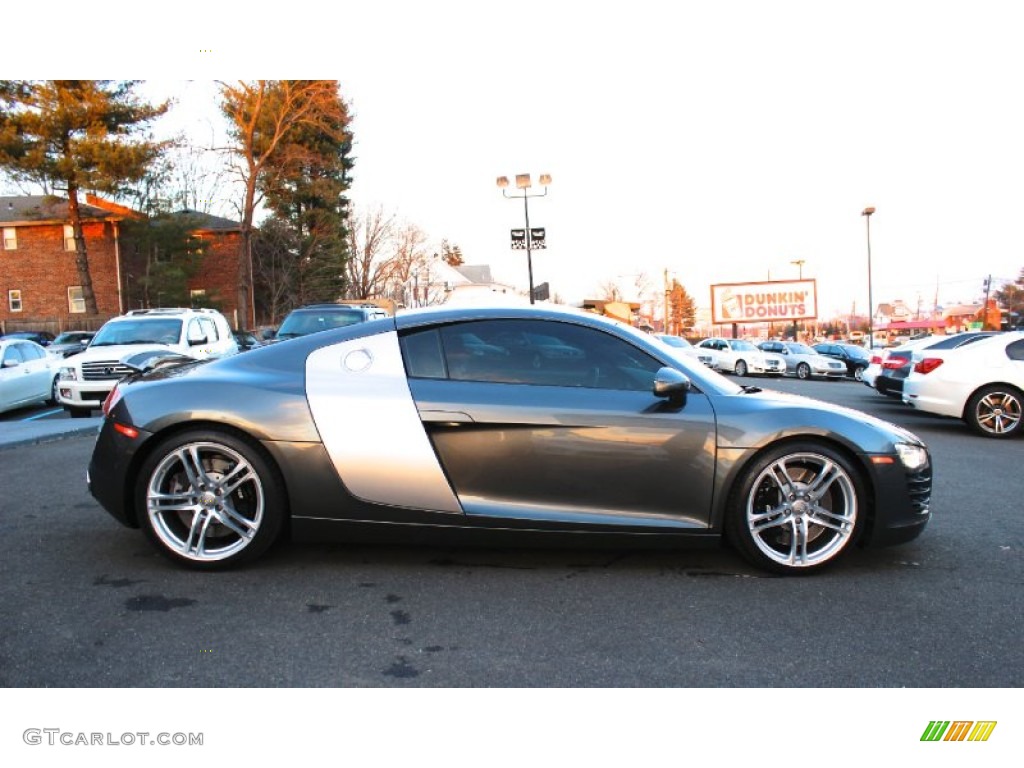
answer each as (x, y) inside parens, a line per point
(423, 356)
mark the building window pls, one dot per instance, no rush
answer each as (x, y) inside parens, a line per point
(14, 300)
(10, 239)
(69, 237)
(76, 300)
(197, 296)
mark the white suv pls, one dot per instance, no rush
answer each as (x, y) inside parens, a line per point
(86, 378)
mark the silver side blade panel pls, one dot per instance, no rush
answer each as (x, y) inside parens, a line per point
(371, 429)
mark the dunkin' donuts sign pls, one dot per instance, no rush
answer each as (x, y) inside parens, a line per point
(774, 301)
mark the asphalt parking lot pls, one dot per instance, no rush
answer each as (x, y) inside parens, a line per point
(89, 603)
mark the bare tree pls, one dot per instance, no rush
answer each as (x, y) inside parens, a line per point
(261, 114)
(371, 238)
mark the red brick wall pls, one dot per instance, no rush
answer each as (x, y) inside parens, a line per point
(218, 274)
(43, 271)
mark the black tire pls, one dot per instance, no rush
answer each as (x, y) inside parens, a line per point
(796, 491)
(803, 371)
(78, 413)
(858, 372)
(741, 368)
(995, 411)
(53, 391)
(223, 499)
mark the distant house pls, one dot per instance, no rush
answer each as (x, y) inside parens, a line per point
(39, 283)
(214, 284)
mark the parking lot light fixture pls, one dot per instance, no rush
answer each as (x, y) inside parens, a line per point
(524, 182)
(866, 213)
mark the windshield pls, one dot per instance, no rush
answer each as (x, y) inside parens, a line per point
(676, 341)
(800, 349)
(303, 323)
(742, 346)
(149, 331)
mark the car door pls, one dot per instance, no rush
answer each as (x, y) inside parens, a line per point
(574, 437)
(38, 371)
(20, 375)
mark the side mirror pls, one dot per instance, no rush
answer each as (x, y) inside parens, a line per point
(10, 364)
(671, 384)
(197, 342)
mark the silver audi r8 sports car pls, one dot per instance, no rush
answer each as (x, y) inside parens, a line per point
(441, 425)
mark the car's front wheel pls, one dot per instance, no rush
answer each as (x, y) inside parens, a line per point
(803, 371)
(741, 368)
(995, 411)
(858, 373)
(210, 499)
(796, 508)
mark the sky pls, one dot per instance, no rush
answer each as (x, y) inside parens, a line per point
(720, 142)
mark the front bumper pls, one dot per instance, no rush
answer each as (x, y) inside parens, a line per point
(902, 504)
(83, 394)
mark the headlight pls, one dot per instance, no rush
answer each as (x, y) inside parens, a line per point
(914, 457)
(68, 374)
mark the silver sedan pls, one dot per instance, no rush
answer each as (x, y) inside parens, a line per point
(803, 362)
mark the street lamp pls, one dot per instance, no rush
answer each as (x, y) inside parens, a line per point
(866, 213)
(799, 264)
(523, 182)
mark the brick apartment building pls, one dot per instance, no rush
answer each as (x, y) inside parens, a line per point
(39, 284)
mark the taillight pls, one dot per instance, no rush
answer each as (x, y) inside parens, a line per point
(928, 365)
(895, 362)
(111, 400)
(876, 360)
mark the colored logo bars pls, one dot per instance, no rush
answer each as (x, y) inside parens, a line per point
(958, 730)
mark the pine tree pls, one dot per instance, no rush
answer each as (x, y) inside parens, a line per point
(72, 135)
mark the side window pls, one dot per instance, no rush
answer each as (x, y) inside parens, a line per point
(195, 330)
(12, 355)
(422, 354)
(28, 352)
(1015, 351)
(209, 329)
(544, 353)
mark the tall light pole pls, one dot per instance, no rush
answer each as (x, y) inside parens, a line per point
(799, 264)
(866, 213)
(523, 182)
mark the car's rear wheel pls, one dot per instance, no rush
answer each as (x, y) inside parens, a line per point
(741, 368)
(796, 508)
(210, 499)
(803, 371)
(858, 373)
(995, 411)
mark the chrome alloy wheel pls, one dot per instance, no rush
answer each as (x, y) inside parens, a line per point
(205, 501)
(801, 510)
(997, 412)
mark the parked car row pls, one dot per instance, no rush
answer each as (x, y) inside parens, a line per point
(976, 376)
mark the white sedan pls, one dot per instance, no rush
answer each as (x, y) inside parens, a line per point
(27, 374)
(981, 383)
(741, 357)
